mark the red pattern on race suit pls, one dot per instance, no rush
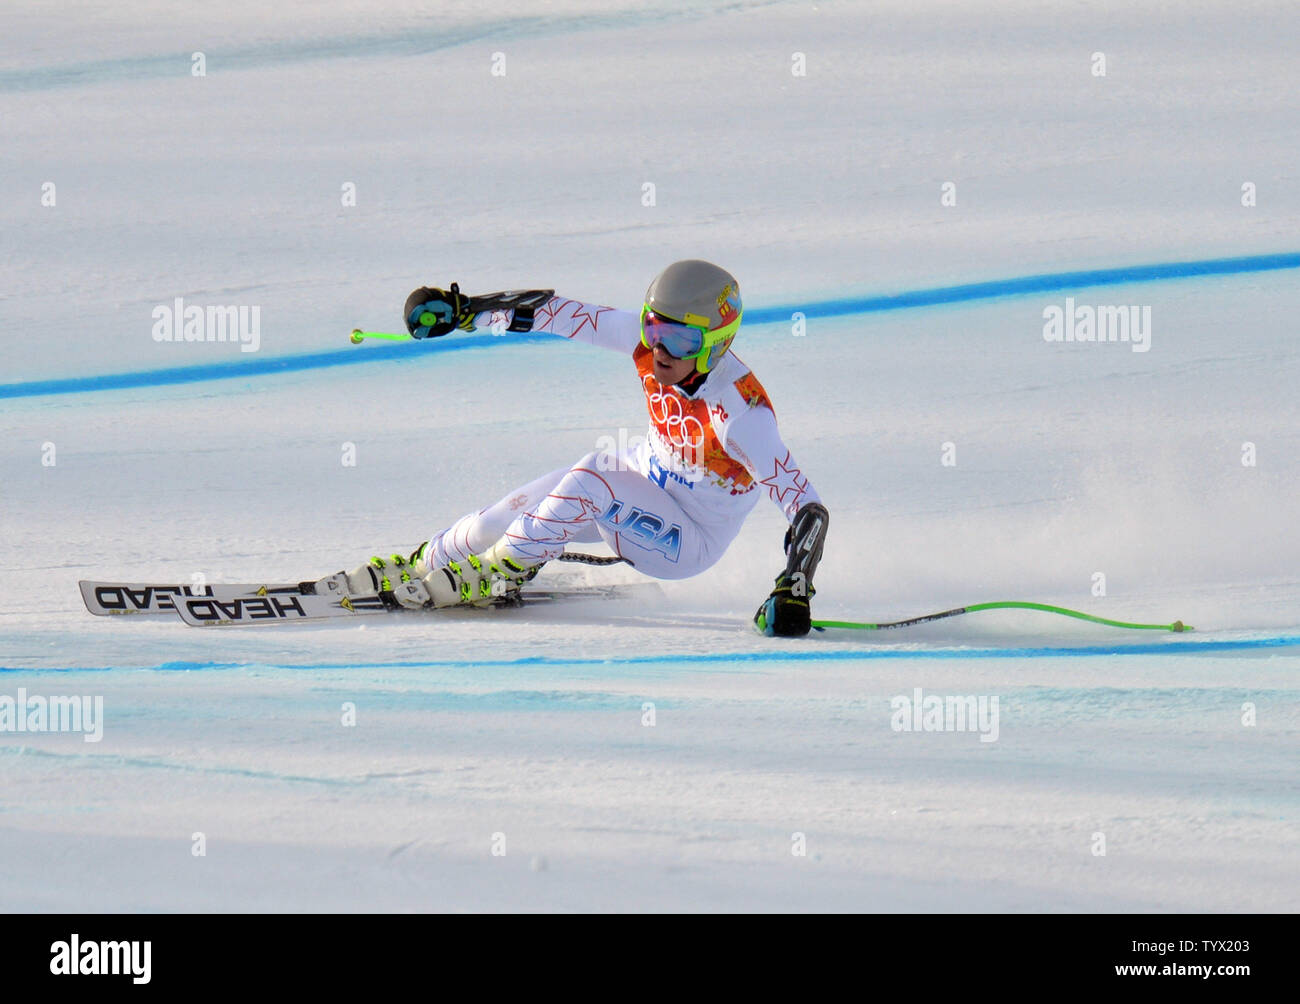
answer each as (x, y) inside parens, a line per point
(786, 484)
(753, 393)
(570, 318)
(685, 427)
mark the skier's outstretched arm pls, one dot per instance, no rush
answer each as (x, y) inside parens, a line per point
(606, 327)
(755, 440)
(431, 312)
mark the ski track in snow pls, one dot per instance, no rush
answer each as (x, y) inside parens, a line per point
(821, 191)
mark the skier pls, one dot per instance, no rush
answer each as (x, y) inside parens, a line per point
(671, 504)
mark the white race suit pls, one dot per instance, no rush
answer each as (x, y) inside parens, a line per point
(671, 503)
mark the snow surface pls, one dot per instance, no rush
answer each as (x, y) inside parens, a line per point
(1071, 459)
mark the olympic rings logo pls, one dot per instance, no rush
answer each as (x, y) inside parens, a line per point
(666, 413)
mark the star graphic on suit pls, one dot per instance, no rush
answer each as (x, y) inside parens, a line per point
(587, 315)
(785, 480)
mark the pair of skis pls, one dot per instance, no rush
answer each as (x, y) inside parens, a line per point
(293, 602)
(279, 603)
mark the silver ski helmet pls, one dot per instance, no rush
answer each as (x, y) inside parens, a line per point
(693, 309)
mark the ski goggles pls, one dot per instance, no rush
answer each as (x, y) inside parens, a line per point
(689, 339)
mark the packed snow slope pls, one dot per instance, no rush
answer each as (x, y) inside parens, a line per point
(653, 753)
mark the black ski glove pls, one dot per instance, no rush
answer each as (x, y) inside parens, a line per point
(431, 312)
(787, 611)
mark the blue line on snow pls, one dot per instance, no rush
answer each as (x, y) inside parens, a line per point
(1020, 286)
(234, 370)
(836, 655)
(1023, 285)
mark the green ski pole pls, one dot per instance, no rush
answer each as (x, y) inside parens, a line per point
(1177, 626)
(358, 336)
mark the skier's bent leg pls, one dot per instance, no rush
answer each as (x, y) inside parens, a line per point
(633, 514)
(489, 554)
(603, 496)
(472, 534)
(475, 532)
(538, 522)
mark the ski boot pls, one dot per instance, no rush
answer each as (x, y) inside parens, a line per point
(395, 575)
(490, 579)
